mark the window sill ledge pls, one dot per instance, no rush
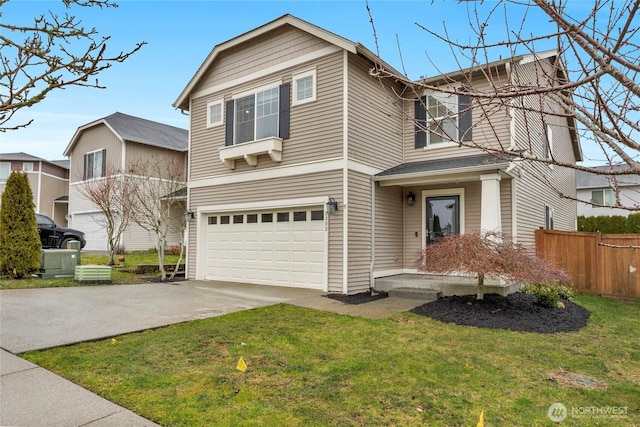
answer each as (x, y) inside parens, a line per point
(249, 151)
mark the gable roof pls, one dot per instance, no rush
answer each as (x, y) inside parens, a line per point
(593, 180)
(142, 131)
(24, 157)
(356, 48)
(551, 54)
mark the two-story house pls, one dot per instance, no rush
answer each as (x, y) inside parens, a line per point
(304, 170)
(599, 193)
(49, 180)
(111, 145)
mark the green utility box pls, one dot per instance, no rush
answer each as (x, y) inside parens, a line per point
(75, 245)
(93, 274)
(55, 263)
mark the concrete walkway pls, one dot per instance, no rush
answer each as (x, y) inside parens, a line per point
(34, 319)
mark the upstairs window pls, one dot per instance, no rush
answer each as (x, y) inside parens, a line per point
(27, 166)
(94, 164)
(446, 118)
(603, 197)
(304, 87)
(214, 113)
(548, 217)
(258, 115)
(548, 143)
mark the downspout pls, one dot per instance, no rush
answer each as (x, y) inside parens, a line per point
(345, 172)
(39, 186)
(372, 281)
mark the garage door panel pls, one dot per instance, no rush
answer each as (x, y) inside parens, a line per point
(287, 253)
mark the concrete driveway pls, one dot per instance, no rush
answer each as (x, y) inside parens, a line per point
(34, 319)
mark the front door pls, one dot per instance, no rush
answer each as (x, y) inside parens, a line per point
(443, 217)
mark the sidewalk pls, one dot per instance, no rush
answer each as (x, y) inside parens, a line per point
(33, 396)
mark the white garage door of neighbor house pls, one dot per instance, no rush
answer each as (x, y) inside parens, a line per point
(93, 228)
(276, 247)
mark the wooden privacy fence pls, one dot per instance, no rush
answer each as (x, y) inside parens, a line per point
(604, 264)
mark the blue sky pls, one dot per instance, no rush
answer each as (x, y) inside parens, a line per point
(180, 34)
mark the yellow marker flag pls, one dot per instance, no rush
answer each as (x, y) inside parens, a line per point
(241, 366)
(481, 420)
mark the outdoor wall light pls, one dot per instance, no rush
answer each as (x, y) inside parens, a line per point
(411, 199)
(189, 216)
(332, 206)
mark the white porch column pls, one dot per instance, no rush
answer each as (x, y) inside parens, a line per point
(490, 216)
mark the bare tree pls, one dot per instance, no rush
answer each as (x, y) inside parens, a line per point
(593, 81)
(157, 200)
(111, 195)
(54, 52)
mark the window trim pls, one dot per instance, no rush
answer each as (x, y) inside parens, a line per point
(548, 144)
(299, 76)
(210, 104)
(604, 192)
(548, 218)
(85, 174)
(434, 120)
(255, 91)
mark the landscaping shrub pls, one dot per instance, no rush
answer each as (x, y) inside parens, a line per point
(548, 294)
(487, 255)
(19, 240)
(610, 224)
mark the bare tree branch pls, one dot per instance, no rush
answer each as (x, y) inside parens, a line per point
(55, 52)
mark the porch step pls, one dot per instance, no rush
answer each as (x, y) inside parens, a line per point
(415, 293)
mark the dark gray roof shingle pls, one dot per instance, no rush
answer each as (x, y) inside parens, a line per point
(143, 131)
(593, 180)
(445, 164)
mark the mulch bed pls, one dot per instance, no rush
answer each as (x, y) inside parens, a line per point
(516, 312)
(360, 298)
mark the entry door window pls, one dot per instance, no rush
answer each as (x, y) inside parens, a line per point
(443, 217)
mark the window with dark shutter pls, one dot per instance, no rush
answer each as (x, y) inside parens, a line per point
(285, 108)
(420, 115)
(464, 117)
(228, 127)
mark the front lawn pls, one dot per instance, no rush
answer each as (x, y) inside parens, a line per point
(313, 368)
(119, 275)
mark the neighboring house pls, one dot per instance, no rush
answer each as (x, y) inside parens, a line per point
(113, 144)
(599, 189)
(49, 180)
(304, 172)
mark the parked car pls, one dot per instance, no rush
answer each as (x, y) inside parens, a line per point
(54, 236)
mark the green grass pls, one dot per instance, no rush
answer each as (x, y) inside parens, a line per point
(313, 368)
(119, 275)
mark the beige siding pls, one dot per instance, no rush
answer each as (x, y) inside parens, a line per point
(137, 153)
(93, 139)
(375, 118)
(271, 49)
(359, 235)
(315, 130)
(389, 254)
(540, 185)
(311, 185)
(51, 189)
(491, 128)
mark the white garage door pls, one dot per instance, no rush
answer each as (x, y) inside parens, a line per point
(276, 247)
(93, 228)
